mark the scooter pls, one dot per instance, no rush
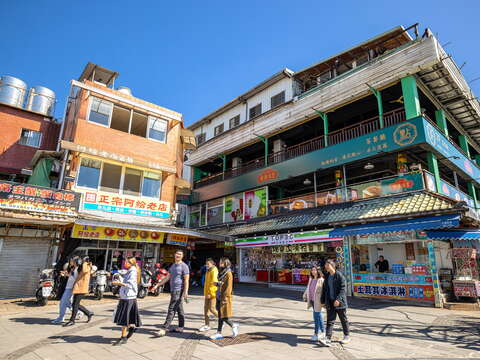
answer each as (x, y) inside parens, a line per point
(145, 283)
(47, 288)
(158, 276)
(117, 276)
(100, 283)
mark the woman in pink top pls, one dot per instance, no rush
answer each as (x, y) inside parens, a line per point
(312, 296)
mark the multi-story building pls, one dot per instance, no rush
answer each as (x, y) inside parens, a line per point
(125, 156)
(32, 217)
(364, 154)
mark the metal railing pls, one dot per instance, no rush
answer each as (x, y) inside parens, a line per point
(350, 132)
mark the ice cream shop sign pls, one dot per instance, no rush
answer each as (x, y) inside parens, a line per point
(120, 204)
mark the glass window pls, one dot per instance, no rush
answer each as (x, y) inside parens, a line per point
(277, 100)
(157, 129)
(139, 124)
(235, 121)
(31, 138)
(255, 111)
(151, 184)
(111, 175)
(89, 173)
(201, 138)
(100, 111)
(218, 130)
(132, 182)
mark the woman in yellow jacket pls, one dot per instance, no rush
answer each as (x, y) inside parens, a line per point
(80, 289)
(210, 293)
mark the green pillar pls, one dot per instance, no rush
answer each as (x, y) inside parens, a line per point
(265, 142)
(462, 139)
(411, 99)
(197, 174)
(433, 168)
(441, 121)
(477, 159)
(378, 95)
(224, 162)
(324, 117)
(472, 192)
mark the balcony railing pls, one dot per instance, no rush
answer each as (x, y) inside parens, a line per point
(335, 137)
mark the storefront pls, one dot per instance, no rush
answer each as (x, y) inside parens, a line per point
(414, 260)
(465, 278)
(286, 258)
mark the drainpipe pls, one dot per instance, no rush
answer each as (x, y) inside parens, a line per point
(62, 129)
(378, 95)
(315, 186)
(324, 117)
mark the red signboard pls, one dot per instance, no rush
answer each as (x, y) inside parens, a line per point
(267, 175)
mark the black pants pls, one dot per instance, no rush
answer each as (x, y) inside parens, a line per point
(76, 306)
(175, 307)
(221, 319)
(331, 317)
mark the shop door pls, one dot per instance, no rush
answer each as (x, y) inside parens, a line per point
(21, 262)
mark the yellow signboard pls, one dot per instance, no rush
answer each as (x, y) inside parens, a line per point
(109, 233)
(177, 239)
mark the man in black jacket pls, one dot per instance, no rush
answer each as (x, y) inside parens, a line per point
(335, 299)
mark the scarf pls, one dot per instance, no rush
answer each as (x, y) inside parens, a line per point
(223, 274)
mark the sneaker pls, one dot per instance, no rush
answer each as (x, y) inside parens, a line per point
(326, 342)
(216, 336)
(345, 340)
(314, 338)
(235, 329)
(57, 321)
(121, 341)
(162, 332)
(204, 328)
(178, 329)
(322, 336)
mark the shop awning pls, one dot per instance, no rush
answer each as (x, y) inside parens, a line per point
(164, 229)
(454, 235)
(423, 223)
(183, 186)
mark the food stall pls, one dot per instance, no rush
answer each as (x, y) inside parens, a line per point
(466, 281)
(285, 258)
(412, 272)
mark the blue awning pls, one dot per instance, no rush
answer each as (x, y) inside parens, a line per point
(454, 235)
(424, 223)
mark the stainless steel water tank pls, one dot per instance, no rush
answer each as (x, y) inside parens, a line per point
(12, 91)
(41, 100)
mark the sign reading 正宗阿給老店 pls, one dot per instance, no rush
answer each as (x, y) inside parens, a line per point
(110, 233)
(128, 205)
(26, 197)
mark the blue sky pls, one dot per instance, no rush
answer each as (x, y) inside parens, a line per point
(194, 56)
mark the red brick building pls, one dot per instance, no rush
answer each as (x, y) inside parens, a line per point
(22, 133)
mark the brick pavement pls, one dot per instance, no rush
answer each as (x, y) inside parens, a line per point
(379, 331)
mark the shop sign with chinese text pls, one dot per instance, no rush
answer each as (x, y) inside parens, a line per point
(298, 248)
(391, 237)
(177, 239)
(287, 239)
(128, 205)
(109, 233)
(26, 197)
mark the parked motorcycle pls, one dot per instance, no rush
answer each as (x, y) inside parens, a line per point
(117, 275)
(47, 288)
(100, 283)
(158, 276)
(145, 283)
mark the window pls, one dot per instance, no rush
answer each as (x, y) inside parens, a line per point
(157, 129)
(139, 124)
(111, 176)
(218, 130)
(30, 138)
(120, 118)
(255, 111)
(132, 182)
(89, 173)
(278, 99)
(235, 121)
(201, 138)
(324, 77)
(100, 111)
(151, 184)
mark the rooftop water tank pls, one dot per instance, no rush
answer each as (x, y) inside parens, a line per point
(125, 90)
(12, 91)
(41, 100)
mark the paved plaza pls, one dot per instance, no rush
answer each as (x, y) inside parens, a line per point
(380, 330)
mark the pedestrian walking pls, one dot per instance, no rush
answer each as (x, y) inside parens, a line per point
(179, 277)
(80, 289)
(335, 299)
(210, 293)
(224, 299)
(71, 273)
(312, 296)
(126, 314)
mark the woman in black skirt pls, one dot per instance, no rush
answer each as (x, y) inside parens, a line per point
(126, 314)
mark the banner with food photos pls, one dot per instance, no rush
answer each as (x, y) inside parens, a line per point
(111, 233)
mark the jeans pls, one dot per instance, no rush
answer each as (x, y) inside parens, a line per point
(209, 307)
(76, 306)
(175, 307)
(331, 316)
(65, 302)
(317, 318)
